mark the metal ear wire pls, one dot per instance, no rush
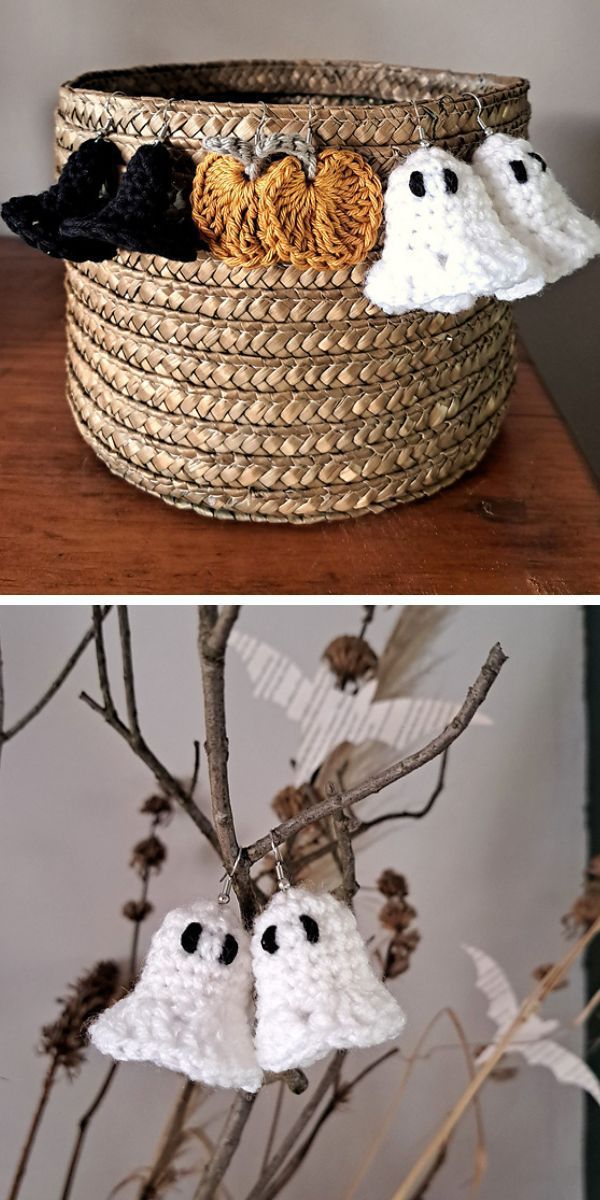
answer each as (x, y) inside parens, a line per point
(480, 120)
(165, 129)
(422, 139)
(283, 882)
(227, 880)
(310, 120)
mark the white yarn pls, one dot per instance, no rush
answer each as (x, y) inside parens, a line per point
(312, 998)
(537, 211)
(445, 248)
(188, 1011)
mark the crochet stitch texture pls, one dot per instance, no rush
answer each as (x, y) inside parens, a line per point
(534, 206)
(315, 990)
(189, 1010)
(444, 243)
(323, 223)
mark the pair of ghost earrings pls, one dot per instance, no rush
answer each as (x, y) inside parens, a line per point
(95, 209)
(305, 969)
(500, 226)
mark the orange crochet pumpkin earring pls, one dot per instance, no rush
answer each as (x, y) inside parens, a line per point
(311, 210)
(322, 212)
(225, 198)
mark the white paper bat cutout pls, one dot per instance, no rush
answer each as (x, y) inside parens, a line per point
(328, 716)
(531, 1040)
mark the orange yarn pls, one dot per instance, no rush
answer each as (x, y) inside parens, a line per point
(225, 209)
(328, 222)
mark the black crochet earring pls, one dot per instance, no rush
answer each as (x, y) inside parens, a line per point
(88, 179)
(143, 216)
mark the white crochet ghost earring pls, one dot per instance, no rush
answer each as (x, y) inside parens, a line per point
(533, 206)
(444, 243)
(315, 989)
(190, 1009)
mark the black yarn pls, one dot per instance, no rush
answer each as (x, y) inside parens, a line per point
(519, 170)
(416, 183)
(88, 179)
(538, 158)
(269, 941)
(141, 217)
(450, 180)
(191, 936)
(229, 951)
(311, 928)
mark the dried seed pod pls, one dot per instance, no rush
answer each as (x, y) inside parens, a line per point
(350, 658)
(148, 855)
(137, 910)
(66, 1038)
(392, 883)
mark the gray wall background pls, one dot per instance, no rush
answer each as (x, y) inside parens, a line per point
(496, 864)
(554, 43)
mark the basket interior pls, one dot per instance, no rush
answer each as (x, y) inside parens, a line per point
(292, 82)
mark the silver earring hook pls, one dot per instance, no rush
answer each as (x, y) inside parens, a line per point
(110, 124)
(227, 880)
(422, 139)
(283, 882)
(480, 120)
(310, 120)
(165, 129)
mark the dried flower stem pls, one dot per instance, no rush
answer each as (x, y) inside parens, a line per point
(325, 808)
(168, 1142)
(274, 1124)
(226, 1146)
(90, 1112)
(132, 735)
(414, 814)
(527, 1009)
(21, 1168)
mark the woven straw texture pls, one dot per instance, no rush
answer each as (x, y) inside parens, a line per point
(276, 393)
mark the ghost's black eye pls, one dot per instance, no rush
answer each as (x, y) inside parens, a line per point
(538, 158)
(190, 937)
(450, 180)
(229, 951)
(416, 183)
(268, 940)
(519, 170)
(311, 928)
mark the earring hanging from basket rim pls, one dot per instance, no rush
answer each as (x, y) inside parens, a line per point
(227, 881)
(480, 121)
(423, 141)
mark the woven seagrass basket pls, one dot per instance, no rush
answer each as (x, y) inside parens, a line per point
(275, 393)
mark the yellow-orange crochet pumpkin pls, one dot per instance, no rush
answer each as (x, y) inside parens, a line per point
(225, 210)
(327, 222)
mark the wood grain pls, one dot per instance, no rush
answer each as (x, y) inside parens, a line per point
(527, 522)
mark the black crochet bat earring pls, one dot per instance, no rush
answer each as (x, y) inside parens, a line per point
(88, 179)
(143, 216)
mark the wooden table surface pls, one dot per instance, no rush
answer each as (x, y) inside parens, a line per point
(526, 522)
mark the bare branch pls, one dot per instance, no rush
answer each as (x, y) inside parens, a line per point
(346, 857)
(414, 814)
(73, 659)
(128, 681)
(325, 808)
(329, 1077)
(168, 1142)
(226, 1146)
(214, 628)
(171, 785)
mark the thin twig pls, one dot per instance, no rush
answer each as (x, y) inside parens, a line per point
(414, 814)
(73, 659)
(225, 1146)
(274, 1124)
(171, 785)
(325, 808)
(346, 858)
(21, 1168)
(214, 628)
(306, 1113)
(168, 1142)
(529, 1006)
